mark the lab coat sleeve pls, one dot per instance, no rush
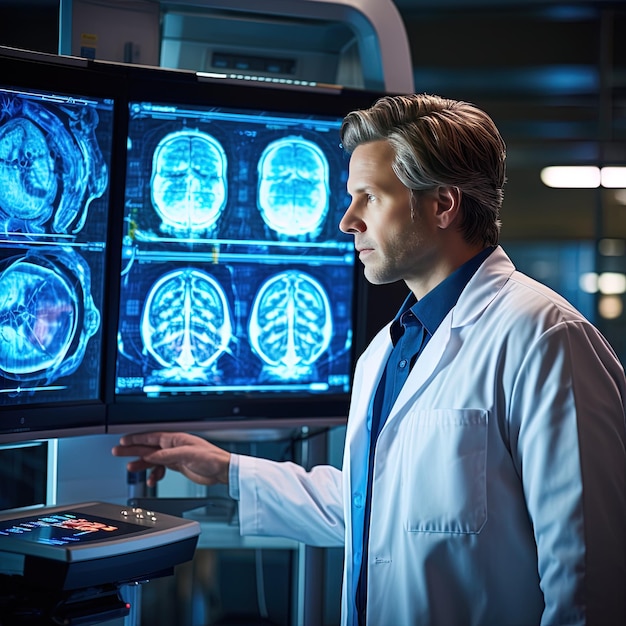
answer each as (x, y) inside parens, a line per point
(567, 440)
(282, 499)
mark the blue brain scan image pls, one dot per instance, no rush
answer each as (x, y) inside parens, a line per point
(206, 174)
(230, 250)
(186, 324)
(47, 315)
(233, 327)
(55, 160)
(188, 182)
(51, 165)
(293, 194)
(27, 172)
(290, 324)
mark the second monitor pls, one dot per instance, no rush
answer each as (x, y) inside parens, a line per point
(235, 277)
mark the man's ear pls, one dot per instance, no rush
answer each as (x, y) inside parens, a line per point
(448, 205)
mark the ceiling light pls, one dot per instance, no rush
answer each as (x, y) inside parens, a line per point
(572, 177)
(588, 282)
(612, 247)
(610, 307)
(583, 177)
(612, 283)
(607, 283)
(613, 177)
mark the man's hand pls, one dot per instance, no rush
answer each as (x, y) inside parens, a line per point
(192, 456)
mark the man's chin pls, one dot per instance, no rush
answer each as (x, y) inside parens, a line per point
(376, 279)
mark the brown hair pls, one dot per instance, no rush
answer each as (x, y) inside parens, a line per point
(438, 141)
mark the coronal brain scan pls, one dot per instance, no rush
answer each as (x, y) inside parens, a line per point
(47, 315)
(51, 166)
(293, 186)
(188, 182)
(291, 324)
(186, 323)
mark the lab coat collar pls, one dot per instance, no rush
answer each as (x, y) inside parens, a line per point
(482, 288)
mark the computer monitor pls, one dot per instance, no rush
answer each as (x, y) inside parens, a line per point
(56, 134)
(169, 250)
(238, 293)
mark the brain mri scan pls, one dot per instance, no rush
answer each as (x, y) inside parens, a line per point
(51, 167)
(290, 324)
(293, 187)
(47, 315)
(188, 182)
(186, 324)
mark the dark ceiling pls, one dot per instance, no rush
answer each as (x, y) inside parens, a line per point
(551, 73)
(553, 76)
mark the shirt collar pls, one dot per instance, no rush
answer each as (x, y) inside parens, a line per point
(437, 303)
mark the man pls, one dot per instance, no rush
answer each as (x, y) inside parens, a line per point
(484, 475)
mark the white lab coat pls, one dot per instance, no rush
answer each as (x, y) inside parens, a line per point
(499, 487)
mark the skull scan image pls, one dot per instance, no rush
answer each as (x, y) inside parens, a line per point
(186, 324)
(188, 182)
(293, 195)
(47, 315)
(290, 325)
(29, 184)
(51, 167)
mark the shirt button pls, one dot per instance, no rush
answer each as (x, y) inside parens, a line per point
(357, 500)
(403, 363)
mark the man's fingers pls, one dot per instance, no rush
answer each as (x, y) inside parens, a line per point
(159, 440)
(133, 450)
(138, 465)
(155, 475)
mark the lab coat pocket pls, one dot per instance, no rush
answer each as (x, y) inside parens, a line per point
(445, 457)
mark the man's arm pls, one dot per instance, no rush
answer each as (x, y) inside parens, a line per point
(568, 443)
(278, 499)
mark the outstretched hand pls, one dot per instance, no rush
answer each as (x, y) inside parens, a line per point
(192, 456)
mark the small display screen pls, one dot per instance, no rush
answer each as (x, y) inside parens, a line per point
(65, 528)
(55, 153)
(235, 276)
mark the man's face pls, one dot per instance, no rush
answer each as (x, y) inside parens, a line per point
(392, 243)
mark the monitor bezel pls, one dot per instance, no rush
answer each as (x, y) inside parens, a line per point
(236, 411)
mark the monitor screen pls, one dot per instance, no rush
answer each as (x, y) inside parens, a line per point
(55, 163)
(238, 290)
(65, 528)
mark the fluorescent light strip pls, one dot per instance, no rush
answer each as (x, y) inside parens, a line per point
(577, 177)
(584, 177)
(613, 177)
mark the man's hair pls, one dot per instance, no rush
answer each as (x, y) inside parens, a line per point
(438, 141)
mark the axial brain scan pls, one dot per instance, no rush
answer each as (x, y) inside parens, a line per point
(51, 167)
(188, 182)
(186, 322)
(27, 171)
(47, 315)
(293, 187)
(290, 325)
